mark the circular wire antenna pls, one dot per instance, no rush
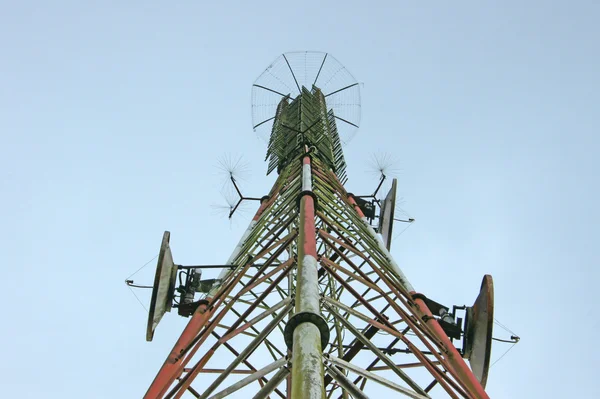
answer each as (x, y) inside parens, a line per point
(289, 73)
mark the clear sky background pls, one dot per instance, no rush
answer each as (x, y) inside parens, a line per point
(113, 116)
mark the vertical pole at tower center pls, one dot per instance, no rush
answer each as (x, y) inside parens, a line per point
(307, 364)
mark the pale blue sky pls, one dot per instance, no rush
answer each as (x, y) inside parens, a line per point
(113, 115)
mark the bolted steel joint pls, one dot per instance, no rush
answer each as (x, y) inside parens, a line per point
(306, 317)
(416, 295)
(307, 192)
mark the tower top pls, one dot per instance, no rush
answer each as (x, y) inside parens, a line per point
(289, 73)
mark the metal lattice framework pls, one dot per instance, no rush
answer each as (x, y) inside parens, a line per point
(313, 305)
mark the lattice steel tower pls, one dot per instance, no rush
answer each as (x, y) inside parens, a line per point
(311, 303)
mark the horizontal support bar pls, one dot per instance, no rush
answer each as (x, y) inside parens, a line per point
(376, 378)
(180, 267)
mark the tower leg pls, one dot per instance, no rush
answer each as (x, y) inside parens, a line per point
(168, 372)
(452, 355)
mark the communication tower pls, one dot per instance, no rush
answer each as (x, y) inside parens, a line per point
(311, 303)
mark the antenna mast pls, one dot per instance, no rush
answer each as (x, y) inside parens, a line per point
(311, 303)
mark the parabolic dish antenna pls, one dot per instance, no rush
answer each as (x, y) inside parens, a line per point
(386, 216)
(163, 288)
(286, 77)
(478, 331)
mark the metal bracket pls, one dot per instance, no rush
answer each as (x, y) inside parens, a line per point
(446, 319)
(242, 198)
(306, 317)
(307, 192)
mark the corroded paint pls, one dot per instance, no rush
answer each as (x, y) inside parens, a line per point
(307, 365)
(308, 295)
(169, 370)
(454, 358)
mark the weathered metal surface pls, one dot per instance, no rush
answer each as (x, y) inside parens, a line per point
(367, 342)
(307, 366)
(345, 383)
(169, 370)
(251, 378)
(405, 283)
(466, 377)
(272, 384)
(256, 319)
(372, 376)
(244, 354)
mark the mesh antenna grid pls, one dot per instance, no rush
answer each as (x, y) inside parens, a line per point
(289, 73)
